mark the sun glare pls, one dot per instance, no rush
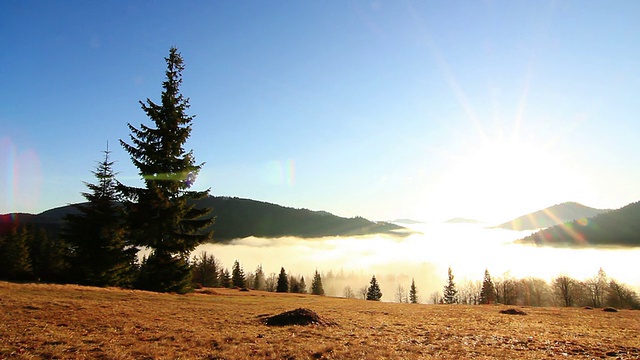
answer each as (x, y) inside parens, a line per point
(504, 179)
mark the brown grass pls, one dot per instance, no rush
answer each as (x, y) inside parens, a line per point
(56, 321)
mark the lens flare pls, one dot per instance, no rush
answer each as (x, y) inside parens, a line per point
(188, 178)
(22, 180)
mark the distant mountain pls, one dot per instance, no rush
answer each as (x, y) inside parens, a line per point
(554, 215)
(461, 221)
(614, 228)
(239, 218)
(406, 221)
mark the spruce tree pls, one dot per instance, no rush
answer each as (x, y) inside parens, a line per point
(450, 293)
(206, 270)
(316, 284)
(373, 292)
(413, 292)
(237, 275)
(100, 254)
(225, 278)
(283, 281)
(488, 292)
(162, 215)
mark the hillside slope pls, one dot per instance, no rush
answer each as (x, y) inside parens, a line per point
(614, 228)
(239, 218)
(554, 215)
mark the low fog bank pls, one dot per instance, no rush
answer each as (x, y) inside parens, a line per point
(468, 249)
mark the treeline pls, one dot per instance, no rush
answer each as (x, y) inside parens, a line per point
(209, 272)
(597, 291)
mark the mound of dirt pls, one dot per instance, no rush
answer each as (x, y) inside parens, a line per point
(300, 316)
(513, 312)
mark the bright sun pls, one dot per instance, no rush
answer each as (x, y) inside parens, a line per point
(503, 179)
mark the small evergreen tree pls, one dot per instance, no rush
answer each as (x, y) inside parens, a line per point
(294, 284)
(225, 278)
(302, 286)
(413, 293)
(283, 282)
(206, 270)
(316, 284)
(450, 293)
(237, 275)
(373, 292)
(488, 292)
(259, 279)
(100, 254)
(162, 216)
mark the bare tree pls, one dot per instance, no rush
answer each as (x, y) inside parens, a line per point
(621, 296)
(400, 294)
(596, 288)
(271, 283)
(564, 288)
(535, 292)
(348, 292)
(506, 289)
(435, 298)
(470, 292)
(363, 292)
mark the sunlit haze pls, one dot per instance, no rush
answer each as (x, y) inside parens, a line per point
(423, 110)
(425, 256)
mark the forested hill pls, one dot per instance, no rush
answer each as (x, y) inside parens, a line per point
(239, 218)
(554, 215)
(614, 228)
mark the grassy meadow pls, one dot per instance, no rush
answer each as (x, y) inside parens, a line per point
(75, 322)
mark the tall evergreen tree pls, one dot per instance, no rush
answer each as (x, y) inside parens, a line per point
(373, 292)
(450, 293)
(316, 284)
(488, 292)
(162, 216)
(413, 293)
(237, 275)
(283, 281)
(100, 254)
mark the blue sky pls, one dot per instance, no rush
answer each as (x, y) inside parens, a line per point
(383, 109)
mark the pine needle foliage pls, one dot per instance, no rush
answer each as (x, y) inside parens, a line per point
(237, 275)
(316, 284)
(488, 292)
(373, 292)
(413, 292)
(99, 252)
(162, 216)
(283, 281)
(450, 293)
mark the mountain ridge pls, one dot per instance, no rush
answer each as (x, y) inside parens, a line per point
(239, 218)
(550, 216)
(619, 227)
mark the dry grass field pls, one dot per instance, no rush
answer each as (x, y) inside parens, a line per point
(69, 322)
